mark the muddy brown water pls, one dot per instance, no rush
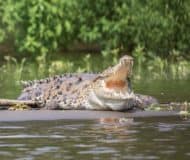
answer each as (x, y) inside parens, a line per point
(98, 135)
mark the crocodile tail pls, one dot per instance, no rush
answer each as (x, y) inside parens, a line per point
(26, 84)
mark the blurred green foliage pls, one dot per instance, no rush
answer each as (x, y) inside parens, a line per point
(154, 68)
(44, 26)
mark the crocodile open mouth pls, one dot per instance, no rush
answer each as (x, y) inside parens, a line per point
(113, 90)
(117, 79)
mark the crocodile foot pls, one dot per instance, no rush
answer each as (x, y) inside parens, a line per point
(20, 107)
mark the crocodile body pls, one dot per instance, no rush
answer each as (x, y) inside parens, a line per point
(109, 90)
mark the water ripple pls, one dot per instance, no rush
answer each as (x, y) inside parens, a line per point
(12, 127)
(99, 150)
(30, 136)
(83, 139)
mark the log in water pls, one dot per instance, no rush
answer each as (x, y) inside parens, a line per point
(10, 102)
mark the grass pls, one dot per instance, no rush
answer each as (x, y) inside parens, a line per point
(153, 67)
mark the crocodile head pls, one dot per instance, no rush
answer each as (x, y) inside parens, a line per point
(111, 90)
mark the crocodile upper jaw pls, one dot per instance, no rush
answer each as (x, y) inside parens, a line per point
(117, 78)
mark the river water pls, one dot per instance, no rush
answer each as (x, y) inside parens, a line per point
(147, 138)
(136, 138)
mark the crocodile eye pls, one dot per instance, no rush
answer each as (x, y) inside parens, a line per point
(100, 77)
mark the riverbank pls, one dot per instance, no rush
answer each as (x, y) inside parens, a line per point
(155, 76)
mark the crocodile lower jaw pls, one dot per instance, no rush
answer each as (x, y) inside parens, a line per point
(107, 102)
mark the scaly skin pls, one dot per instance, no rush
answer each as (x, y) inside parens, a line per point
(109, 90)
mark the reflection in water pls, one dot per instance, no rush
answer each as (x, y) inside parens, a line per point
(119, 127)
(150, 138)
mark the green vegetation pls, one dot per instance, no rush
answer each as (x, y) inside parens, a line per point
(153, 67)
(182, 108)
(41, 26)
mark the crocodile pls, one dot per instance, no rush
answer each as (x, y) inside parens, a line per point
(109, 90)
